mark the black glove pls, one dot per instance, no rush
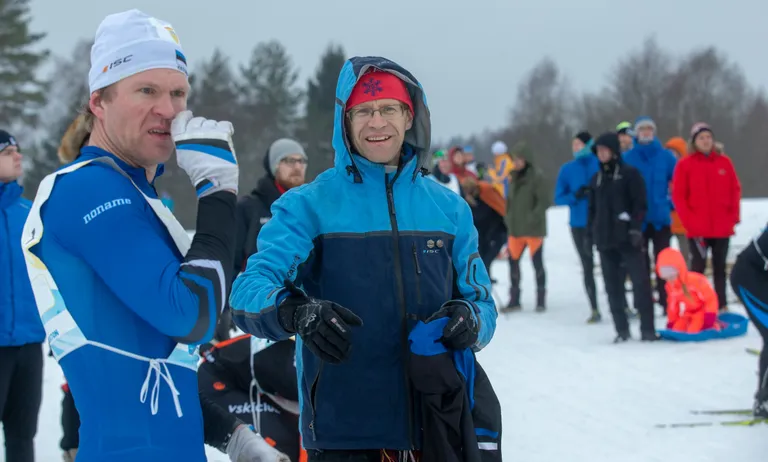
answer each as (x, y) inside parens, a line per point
(582, 192)
(323, 326)
(636, 238)
(461, 330)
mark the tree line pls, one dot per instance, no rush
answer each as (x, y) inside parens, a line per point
(265, 100)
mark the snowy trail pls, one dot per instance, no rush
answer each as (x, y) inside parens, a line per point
(568, 394)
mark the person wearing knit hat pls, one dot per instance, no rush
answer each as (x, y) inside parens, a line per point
(617, 205)
(572, 189)
(656, 164)
(325, 273)
(707, 194)
(21, 332)
(442, 173)
(626, 134)
(142, 320)
(285, 165)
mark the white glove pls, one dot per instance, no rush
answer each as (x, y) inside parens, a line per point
(247, 446)
(204, 150)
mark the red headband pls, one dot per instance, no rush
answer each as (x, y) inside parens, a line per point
(379, 85)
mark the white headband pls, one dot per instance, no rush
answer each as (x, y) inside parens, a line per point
(131, 42)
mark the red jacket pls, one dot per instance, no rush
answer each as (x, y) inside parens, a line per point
(707, 195)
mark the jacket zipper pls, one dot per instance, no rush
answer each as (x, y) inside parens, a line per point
(313, 399)
(401, 297)
(418, 274)
(10, 273)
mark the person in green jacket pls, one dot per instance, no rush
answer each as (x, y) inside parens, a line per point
(528, 198)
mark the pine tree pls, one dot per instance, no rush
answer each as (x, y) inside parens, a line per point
(317, 125)
(21, 93)
(270, 98)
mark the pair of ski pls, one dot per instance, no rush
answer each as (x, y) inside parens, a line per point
(748, 421)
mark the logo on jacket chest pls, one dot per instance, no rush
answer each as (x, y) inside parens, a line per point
(434, 246)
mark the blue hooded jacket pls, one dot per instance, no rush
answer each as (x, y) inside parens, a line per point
(121, 276)
(19, 319)
(391, 247)
(573, 175)
(656, 165)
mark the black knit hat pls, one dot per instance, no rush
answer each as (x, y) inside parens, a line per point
(6, 140)
(584, 136)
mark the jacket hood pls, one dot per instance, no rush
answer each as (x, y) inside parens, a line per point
(417, 139)
(677, 144)
(586, 150)
(672, 257)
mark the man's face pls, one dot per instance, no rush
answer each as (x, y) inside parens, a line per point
(625, 141)
(645, 134)
(577, 145)
(704, 142)
(10, 164)
(377, 129)
(518, 162)
(444, 165)
(291, 171)
(604, 154)
(138, 112)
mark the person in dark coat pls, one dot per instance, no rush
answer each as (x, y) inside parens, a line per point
(617, 208)
(285, 165)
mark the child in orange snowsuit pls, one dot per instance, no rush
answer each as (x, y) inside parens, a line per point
(691, 301)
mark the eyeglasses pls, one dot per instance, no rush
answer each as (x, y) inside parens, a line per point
(365, 114)
(292, 161)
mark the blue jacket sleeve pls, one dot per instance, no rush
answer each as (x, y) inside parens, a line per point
(563, 194)
(472, 284)
(284, 243)
(100, 217)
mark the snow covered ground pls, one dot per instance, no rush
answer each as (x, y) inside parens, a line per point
(569, 394)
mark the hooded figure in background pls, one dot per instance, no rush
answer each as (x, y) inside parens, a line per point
(528, 199)
(351, 262)
(441, 172)
(617, 207)
(656, 165)
(572, 189)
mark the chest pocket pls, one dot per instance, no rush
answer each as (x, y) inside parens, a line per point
(430, 270)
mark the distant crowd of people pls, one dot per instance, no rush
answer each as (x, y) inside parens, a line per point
(627, 193)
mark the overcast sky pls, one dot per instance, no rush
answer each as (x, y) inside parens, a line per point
(469, 55)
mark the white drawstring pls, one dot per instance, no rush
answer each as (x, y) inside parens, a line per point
(154, 365)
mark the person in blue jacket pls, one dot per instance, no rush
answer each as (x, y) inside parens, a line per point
(656, 165)
(572, 189)
(21, 332)
(124, 296)
(352, 261)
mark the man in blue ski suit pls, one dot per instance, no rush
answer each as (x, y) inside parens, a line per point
(21, 332)
(123, 294)
(572, 189)
(656, 165)
(376, 247)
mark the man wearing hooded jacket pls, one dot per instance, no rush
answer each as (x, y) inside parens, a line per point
(352, 261)
(656, 164)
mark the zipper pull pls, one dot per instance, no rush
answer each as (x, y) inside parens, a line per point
(416, 258)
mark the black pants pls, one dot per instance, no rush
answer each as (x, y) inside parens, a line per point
(632, 259)
(491, 240)
(537, 258)
(21, 391)
(70, 423)
(587, 264)
(751, 286)
(225, 324)
(660, 239)
(699, 249)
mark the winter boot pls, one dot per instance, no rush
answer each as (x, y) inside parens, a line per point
(514, 301)
(541, 296)
(595, 318)
(649, 336)
(621, 337)
(760, 408)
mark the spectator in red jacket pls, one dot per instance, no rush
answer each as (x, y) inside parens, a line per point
(707, 195)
